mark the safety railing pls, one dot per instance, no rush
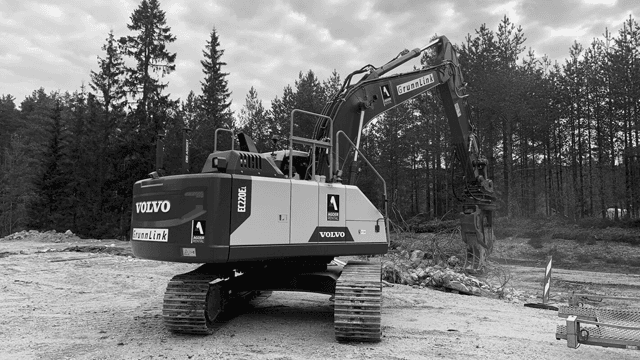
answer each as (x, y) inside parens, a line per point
(310, 142)
(384, 183)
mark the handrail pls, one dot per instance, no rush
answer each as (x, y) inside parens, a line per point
(215, 138)
(313, 144)
(384, 183)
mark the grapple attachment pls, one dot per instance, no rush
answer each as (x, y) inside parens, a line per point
(476, 228)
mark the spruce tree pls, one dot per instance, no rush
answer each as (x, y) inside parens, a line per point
(213, 104)
(16, 189)
(215, 101)
(148, 48)
(108, 82)
(47, 210)
(109, 137)
(8, 119)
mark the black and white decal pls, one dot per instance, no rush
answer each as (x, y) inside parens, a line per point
(385, 90)
(153, 206)
(197, 231)
(333, 207)
(240, 202)
(415, 84)
(242, 199)
(331, 234)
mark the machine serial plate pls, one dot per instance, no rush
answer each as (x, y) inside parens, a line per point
(143, 234)
(189, 252)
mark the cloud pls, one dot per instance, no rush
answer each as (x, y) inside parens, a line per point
(266, 44)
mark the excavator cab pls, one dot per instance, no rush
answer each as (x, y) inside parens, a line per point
(300, 161)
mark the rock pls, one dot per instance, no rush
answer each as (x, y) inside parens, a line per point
(437, 279)
(426, 263)
(475, 291)
(455, 285)
(391, 272)
(416, 256)
(68, 232)
(447, 277)
(453, 261)
(405, 279)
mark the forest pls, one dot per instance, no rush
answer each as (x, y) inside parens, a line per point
(562, 139)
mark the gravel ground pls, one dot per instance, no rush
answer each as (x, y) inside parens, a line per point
(59, 302)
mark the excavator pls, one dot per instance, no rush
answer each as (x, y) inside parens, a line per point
(277, 221)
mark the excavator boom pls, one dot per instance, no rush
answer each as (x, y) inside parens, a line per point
(357, 105)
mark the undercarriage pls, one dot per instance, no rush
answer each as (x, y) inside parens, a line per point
(197, 301)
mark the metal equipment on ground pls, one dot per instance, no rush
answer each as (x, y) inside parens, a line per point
(599, 326)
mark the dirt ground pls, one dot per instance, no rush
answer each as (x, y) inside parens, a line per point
(103, 304)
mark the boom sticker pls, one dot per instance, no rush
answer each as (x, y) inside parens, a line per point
(386, 94)
(415, 84)
(458, 112)
(333, 207)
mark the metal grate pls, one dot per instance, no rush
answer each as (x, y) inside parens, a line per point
(580, 312)
(250, 161)
(618, 316)
(602, 334)
(609, 316)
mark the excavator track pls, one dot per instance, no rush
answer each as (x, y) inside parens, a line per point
(358, 302)
(192, 304)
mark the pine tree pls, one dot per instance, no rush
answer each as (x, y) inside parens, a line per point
(256, 121)
(331, 86)
(281, 111)
(309, 96)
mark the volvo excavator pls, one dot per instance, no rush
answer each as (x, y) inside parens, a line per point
(260, 222)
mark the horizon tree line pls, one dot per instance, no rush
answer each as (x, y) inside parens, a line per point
(561, 139)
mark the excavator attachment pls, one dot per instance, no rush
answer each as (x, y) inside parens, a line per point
(476, 228)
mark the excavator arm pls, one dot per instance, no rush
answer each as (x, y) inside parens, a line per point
(356, 105)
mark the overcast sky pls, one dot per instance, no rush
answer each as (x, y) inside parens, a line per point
(55, 44)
